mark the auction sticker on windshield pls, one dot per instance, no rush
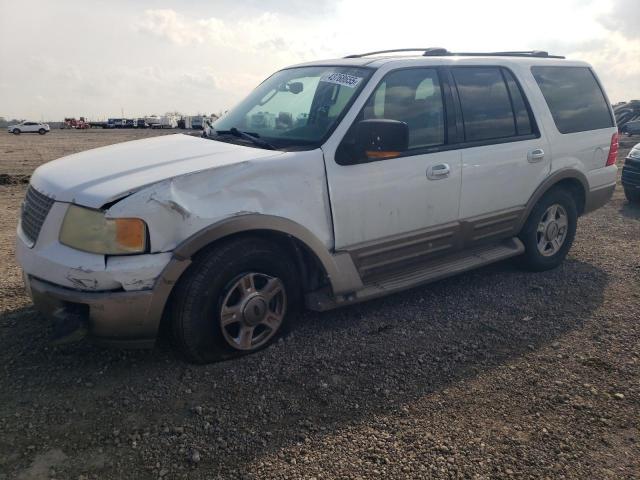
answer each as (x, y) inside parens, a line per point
(341, 79)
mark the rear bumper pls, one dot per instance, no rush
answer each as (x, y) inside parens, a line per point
(598, 197)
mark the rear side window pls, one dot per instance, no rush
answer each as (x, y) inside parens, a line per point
(574, 97)
(486, 106)
(523, 119)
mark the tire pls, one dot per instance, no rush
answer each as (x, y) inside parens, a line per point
(546, 236)
(218, 278)
(42, 131)
(16, 131)
(633, 196)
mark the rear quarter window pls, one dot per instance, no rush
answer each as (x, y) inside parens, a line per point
(575, 99)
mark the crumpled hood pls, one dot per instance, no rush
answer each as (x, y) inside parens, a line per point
(99, 176)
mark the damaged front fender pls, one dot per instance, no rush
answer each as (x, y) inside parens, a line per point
(291, 185)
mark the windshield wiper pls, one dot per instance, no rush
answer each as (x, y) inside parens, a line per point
(247, 136)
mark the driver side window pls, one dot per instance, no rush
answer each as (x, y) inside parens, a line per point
(412, 96)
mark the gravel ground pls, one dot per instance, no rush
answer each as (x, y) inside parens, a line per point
(496, 373)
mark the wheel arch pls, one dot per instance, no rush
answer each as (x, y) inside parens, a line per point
(574, 181)
(309, 266)
(311, 256)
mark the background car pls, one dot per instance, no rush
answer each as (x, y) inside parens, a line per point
(631, 175)
(631, 128)
(28, 127)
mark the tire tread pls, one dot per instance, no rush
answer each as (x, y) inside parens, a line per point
(532, 259)
(186, 304)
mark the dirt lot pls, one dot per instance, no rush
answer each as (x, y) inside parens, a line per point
(497, 373)
(21, 154)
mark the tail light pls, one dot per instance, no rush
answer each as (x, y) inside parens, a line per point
(613, 150)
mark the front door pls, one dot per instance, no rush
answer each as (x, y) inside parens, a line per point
(402, 209)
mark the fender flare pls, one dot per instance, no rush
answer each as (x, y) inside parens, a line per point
(339, 267)
(547, 184)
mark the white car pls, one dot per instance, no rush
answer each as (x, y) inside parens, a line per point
(28, 127)
(403, 170)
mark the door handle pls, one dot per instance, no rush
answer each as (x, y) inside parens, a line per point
(437, 172)
(535, 155)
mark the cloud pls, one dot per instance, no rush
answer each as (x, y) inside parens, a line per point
(624, 18)
(263, 32)
(614, 50)
(169, 25)
(157, 55)
(616, 61)
(293, 7)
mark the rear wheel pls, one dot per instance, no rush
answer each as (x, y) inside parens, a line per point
(632, 195)
(16, 131)
(235, 299)
(549, 231)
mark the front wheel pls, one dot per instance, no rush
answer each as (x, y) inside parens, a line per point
(42, 131)
(16, 131)
(549, 231)
(236, 298)
(633, 196)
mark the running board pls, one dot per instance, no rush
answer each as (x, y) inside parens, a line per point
(322, 300)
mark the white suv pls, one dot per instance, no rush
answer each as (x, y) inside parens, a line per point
(28, 127)
(333, 182)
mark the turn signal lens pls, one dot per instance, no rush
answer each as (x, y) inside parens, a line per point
(130, 234)
(613, 150)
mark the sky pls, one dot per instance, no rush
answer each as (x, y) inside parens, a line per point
(103, 58)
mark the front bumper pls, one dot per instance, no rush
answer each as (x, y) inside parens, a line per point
(631, 174)
(120, 318)
(129, 319)
(120, 299)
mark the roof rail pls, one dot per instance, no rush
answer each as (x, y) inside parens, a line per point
(443, 52)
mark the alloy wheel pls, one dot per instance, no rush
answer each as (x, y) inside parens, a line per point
(252, 310)
(552, 230)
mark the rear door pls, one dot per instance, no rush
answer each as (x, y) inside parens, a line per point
(504, 155)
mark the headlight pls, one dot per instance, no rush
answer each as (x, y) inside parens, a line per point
(89, 230)
(635, 152)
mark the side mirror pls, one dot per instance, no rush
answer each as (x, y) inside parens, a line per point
(378, 139)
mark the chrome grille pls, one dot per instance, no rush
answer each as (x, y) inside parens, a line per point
(35, 209)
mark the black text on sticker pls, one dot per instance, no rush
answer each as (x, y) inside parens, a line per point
(341, 79)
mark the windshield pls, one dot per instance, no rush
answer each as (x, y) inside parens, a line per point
(297, 106)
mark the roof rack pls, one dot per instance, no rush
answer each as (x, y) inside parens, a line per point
(443, 52)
